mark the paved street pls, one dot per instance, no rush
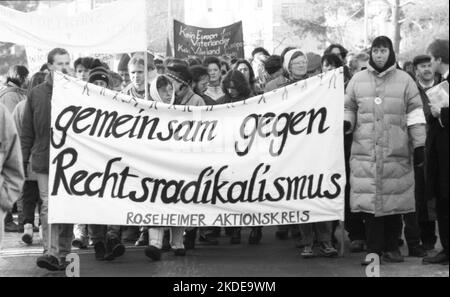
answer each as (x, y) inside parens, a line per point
(271, 258)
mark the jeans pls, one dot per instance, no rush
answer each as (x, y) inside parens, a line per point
(30, 199)
(156, 236)
(322, 231)
(61, 234)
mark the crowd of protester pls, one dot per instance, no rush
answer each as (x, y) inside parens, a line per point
(396, 148)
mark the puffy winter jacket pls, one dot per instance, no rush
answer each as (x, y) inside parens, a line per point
(386, 115)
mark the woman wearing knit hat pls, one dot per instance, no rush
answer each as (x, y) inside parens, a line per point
(384, 111)
(295, 65)
(99, 76)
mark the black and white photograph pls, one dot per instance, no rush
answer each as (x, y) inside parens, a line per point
(224, 146)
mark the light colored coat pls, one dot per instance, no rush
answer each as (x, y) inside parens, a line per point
(386, 116)
(11, 165)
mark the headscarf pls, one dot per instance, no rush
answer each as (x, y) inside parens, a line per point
(154, 94)
(387, 43)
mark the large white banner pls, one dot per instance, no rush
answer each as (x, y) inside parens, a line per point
(271, 160)
(118, 27)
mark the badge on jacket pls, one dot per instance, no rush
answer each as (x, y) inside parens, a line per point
(378, 101)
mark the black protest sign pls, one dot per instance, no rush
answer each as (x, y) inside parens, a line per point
(203, 42)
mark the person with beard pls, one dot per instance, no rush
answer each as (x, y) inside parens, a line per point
(437, 151)
(295, 65)
(35, 141)
(384, 111)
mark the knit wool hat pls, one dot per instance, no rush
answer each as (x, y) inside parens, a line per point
(180, 73)
(99, 73)
(288, 57)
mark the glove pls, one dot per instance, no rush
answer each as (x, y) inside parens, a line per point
(347, 126)
(419, 156)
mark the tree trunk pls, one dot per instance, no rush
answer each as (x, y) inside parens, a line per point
(396, 25)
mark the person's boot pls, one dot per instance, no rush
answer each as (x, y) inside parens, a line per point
(114, 249)
(48, 262)
(417, 251)
(27, 236)
(439, 258)
(236, 236)
(255, 235)
(393, 257)
(153, 253)
(11, 227)
(81, 243)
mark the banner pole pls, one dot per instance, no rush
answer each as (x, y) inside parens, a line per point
(146, 53)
